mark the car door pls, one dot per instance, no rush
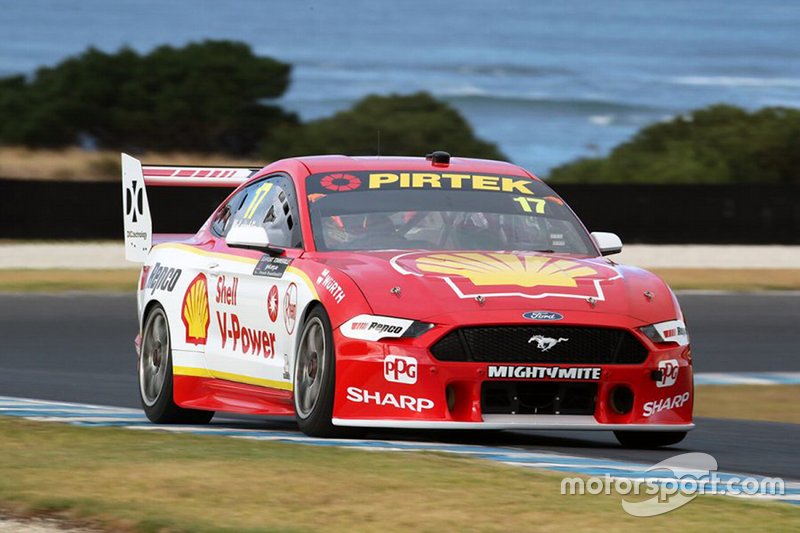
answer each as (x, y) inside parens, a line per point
(248, 341)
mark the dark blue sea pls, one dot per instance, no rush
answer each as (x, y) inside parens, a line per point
(548, 80)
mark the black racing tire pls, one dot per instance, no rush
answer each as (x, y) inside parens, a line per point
(314, 380)
(154, 369)
(649, 439)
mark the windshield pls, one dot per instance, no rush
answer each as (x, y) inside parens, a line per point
(440, 211)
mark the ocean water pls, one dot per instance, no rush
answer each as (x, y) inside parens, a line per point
(548, 80)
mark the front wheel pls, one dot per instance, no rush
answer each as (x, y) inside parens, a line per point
(315, 376)
(649, 439)
(155, 375)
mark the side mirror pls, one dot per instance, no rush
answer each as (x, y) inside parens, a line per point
(247, 236)
(609, 243)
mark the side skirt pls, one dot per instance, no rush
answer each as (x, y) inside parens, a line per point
(225, 396)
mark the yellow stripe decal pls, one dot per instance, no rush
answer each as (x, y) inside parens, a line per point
(190, 371)
(304, 277)
(191, 249)
(228, 376)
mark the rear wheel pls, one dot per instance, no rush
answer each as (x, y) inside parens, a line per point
(649, 439)
(155, 375)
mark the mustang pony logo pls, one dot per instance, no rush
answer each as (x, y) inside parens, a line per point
(487, 274)
(195, 313)
(545, 343)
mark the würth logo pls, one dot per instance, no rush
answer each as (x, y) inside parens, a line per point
(331, 285)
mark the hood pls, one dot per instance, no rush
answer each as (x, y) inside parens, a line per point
(437, 285)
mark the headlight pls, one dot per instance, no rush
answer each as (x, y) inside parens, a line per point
(669, 331)
(373, 328)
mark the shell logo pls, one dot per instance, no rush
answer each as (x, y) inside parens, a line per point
(504, 274)
(484, 269)
(194, 313)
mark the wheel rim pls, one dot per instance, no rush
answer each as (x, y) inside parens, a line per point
(154, 358)
(309, 368)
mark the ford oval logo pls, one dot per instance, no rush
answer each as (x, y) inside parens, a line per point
(542, 315)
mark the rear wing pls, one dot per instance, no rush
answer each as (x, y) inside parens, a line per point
(135, 208)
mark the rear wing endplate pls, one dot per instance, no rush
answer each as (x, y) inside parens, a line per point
(135, 208)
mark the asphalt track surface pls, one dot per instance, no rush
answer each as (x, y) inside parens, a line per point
(79, 348)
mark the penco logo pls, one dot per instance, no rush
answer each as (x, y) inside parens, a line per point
(374, 328)
(417, 405)
(331, 285)
(664, 404)
(400, 369)
(383, 328)
(669, 373)
(163, 278)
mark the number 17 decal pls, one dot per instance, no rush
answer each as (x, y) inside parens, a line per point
(530, 204)
(261, 193)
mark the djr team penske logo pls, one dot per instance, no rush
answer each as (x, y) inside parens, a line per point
(471, 274)
(195, 313)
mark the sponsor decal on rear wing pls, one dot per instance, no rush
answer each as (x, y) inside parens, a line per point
(178, 176)
(136, 177)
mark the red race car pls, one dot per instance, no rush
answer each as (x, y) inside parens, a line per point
(388, 292)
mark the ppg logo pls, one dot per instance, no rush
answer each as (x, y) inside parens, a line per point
(669, 373)
(399, 369)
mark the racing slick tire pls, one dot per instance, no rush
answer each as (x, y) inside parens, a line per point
(649, 439)
(155, 375)
(315, 377)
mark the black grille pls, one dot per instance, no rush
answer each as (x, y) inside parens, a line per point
(515, 344)
(537, 398)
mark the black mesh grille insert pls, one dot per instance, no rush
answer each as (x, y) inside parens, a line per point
(537, 398)
(529, 344)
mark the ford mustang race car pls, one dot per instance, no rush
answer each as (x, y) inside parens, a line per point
(387, 292)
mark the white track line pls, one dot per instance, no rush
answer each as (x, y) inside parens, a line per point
(95, 415)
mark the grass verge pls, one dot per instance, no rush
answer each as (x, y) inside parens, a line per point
(68, 280)
(735, 279)
(57, 280)
(123, 479)
(772, 403)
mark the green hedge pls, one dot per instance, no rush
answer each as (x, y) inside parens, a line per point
(718, 144)
(210, 97)
(392, 125)
(202, 97)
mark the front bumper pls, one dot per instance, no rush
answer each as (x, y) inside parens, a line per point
(551, 422)
(397, 383)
